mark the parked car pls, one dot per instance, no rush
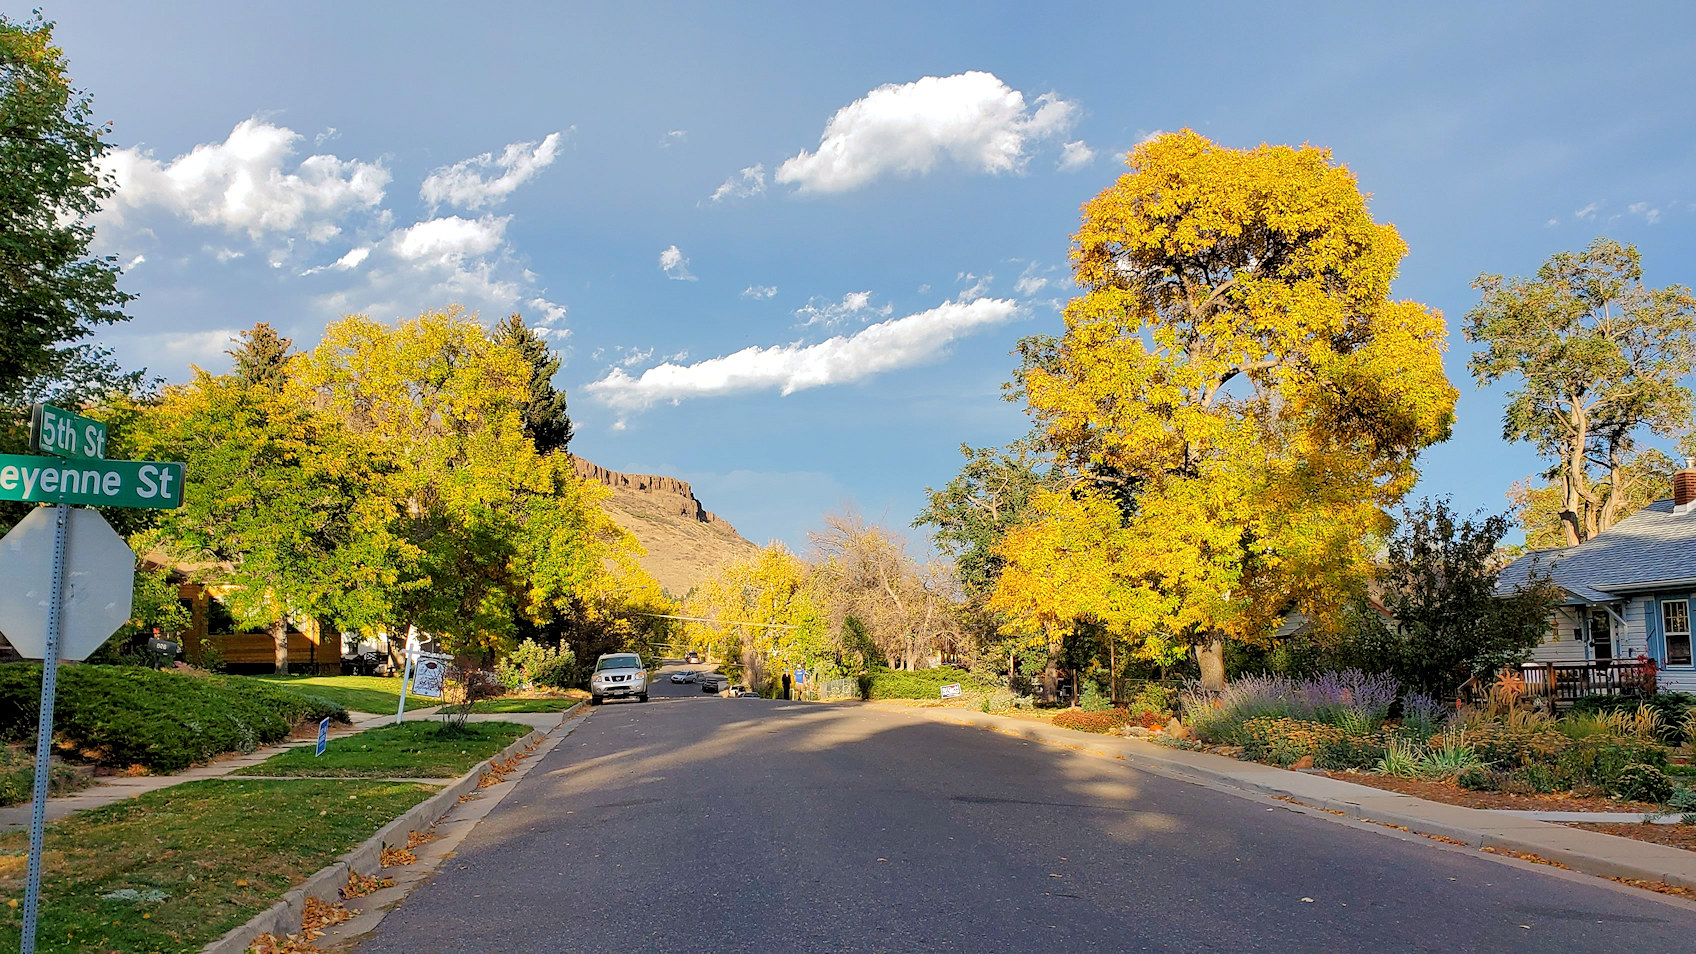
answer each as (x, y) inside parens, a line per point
(680, 677)
(713, 682)
(618, 676)
(692, 658)
(690, 675)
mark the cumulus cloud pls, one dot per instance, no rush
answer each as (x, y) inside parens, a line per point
(464, 184)
(247, 183)
(749, 182)
(347, 262)
(1075, 155)
(972, 120)
(759, 291)
(451, 239)
(830, 314)
(675, 265)
(875, 349)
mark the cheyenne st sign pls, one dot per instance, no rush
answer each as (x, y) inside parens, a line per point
(141, 484)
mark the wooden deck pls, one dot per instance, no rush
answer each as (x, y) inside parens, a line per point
(1562, 684)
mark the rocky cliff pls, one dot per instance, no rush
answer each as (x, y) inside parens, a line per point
(685, 541)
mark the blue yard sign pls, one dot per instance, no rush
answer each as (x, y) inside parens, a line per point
(323, 736)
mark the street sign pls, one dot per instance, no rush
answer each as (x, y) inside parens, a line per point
(323, 737)
(57, 431)
(99, 580)
(951, 691)
(136, 484)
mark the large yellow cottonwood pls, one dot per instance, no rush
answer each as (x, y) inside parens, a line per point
(1237, 395)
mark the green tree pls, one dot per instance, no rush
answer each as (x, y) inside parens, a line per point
(973, 511)
(1598, 358)
(262, 358)
(544, 414)
(52, 291)
(279, 502)
(1447, 622)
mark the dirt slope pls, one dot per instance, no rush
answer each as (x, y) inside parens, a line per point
(684, 540)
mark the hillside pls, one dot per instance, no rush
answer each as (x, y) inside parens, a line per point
(684, 540)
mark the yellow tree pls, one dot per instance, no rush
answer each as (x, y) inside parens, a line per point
(766, 611)
(1236, 393)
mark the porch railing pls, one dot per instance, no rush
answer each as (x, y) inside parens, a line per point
(1562, 684)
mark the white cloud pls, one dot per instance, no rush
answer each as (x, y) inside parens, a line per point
(675, 265)
(1551, 223)
(1075, 155)
(978, 284)
(1642, 208)
(244, 184)
(450, 239)
(139, 259)
(972, 119)
(1030, 282)
(749, 182)
(674, 136)
(462, 184)
(885, 346)
(759, 291)
(830, 314)
(353, 258)
(1588, 212)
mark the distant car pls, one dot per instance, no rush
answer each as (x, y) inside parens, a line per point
(682, 677)
(618, 676)
(713, 682)
(690, 675)
(692, 658)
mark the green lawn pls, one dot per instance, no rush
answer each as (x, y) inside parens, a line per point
(523, 705)
(359, 693)
(174, 869)
(421, 749)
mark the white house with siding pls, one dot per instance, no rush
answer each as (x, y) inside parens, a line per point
(1627, 592)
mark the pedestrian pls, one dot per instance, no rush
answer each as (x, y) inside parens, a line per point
(785, 686)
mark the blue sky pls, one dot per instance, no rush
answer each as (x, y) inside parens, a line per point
(859, 208)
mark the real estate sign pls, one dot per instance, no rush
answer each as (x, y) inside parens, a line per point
(57, 431)
(143, 484)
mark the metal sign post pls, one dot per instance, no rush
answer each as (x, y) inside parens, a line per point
(44, 728)
(87, 587)
(408, 656)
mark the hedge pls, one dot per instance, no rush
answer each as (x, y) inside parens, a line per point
(1101, 720)
(918, 683)
(125, 716)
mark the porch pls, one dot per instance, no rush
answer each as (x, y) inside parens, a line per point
(1559, 685)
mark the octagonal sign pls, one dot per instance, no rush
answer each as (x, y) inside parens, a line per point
(99, 583)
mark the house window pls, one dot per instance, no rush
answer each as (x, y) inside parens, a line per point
(1675, 626)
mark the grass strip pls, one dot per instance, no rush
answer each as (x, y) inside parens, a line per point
(174, 869)
(379, 694)
(523, 705)
(425, 749)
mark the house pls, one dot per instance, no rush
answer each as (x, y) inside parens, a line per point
(1626, 592)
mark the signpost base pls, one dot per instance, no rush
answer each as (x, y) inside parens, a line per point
(44, 729)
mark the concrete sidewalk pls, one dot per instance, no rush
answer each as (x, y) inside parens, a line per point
(1591, 852)
(116, 788)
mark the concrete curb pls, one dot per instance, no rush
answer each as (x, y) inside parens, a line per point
(1589, 852)
(285, 916)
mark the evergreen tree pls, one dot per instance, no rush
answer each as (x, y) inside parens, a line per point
(262, 358)
(545, 419)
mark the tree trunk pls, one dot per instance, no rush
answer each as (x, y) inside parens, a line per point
(1211, 657)
(280, 639)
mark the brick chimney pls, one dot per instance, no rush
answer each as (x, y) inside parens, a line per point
(1684, 487)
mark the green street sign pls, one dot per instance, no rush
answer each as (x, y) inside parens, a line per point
(136, 484)
(58, 432)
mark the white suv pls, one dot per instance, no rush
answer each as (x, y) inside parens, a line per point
(618, 675)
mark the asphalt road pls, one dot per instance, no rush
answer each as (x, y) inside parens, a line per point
(695, 823)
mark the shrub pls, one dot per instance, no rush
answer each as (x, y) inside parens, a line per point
(1092, 700)
(1674, 709)
(1350, 698)
(1520, 740)
(918, 683)
(1476, 778)
(1285, 741)
(163, 721)
(1537, 778)
(1600, 759)
(1100, 720)
(533, 664)
(1643, 783)
(17, 777)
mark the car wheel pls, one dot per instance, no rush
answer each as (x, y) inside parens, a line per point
(594, 700)
(642, 698)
